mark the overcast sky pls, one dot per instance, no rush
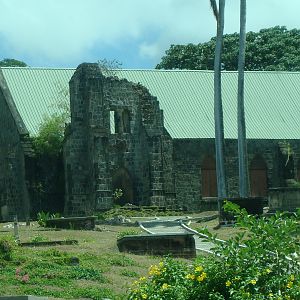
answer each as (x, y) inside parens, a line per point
(64, 33)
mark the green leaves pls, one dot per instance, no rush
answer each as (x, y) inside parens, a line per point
(49, 140)
(271, 49)
(256, 264)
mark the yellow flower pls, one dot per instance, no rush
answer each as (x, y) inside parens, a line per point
(142, 278)
(154, 270)
(199, 269)
(190, 276)
(161, 264)
(144, 296)
(201, 277)
(228, 283)
(253, 281)
(290, 284)
(165, 286)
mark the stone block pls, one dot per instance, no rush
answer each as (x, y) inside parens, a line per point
(78, 223)
(178, 245)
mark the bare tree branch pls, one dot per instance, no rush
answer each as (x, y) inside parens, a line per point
(214, 7)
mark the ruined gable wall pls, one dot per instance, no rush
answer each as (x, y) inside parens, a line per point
(94, 153)
(13, 190)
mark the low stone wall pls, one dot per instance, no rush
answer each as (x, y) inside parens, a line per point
(284, 199)
(179, 245)
(86, 223)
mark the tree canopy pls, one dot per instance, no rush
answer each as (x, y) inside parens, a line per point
(271, 49)
(10, 62)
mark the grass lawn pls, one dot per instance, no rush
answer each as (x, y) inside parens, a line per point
(94, 268)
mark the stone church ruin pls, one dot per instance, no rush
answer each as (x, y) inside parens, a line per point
(148, 133)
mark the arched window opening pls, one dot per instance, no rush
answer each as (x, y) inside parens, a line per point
(258, 177)
(209, 177)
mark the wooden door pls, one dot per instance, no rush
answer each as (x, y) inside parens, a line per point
(209, 178)
(258, 178)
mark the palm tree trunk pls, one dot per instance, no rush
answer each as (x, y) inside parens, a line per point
(242, 143)
(218, 109)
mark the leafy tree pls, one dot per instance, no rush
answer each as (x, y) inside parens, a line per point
(49, 140)
(270, 49)
(10, 62)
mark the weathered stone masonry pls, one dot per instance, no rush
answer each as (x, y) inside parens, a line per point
(14, 146)
(116, 139)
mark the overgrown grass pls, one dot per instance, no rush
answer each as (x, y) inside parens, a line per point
(92, 269)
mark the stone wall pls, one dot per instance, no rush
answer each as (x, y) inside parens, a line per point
(116, 139)
(14, 143)
(190, 153)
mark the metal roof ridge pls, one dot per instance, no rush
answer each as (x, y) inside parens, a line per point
(37, 68)
(157, 70)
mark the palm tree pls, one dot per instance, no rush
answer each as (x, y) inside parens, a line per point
(218, 109)
(242, 144)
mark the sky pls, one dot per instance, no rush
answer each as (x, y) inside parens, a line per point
(65, 33)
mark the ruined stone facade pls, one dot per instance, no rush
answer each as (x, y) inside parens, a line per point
(116, 140)
(14, 148)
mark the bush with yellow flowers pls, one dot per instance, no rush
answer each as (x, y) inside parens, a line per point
(260, 263)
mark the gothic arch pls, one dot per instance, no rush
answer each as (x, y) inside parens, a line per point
(209, 177)
(122, 180)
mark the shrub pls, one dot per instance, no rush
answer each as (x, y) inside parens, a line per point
(260, 263)
(7, 246)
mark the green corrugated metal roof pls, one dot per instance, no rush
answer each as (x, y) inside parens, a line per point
(272, 105)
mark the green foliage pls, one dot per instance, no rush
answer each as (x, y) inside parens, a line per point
(256, 264)
(117, 194)
(127, 232)
(43, 217)
(39, 238)
(7, 246)
(87, 274)
(139, 212)
(129, 273)
(269, 49)
(121, 261)
(10, 62)
(49, 140)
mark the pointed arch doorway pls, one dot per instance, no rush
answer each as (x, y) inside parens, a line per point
(122, 180)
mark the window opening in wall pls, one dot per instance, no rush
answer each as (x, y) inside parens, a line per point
(112, 122)
(209, 177)
(126, 121)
